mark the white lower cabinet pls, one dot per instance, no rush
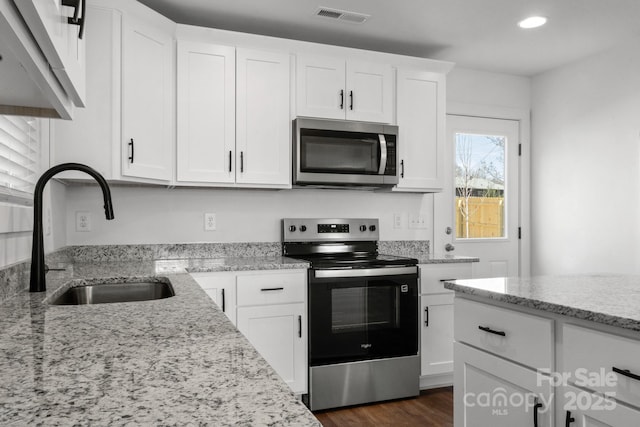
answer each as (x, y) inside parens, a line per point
(436, 355)
(491, 391)
(580, 408)
(506, 357)
(269, 308)
(276, 331)
(436, 322)
(221, 288)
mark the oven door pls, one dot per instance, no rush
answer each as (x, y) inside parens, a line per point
(362, 314)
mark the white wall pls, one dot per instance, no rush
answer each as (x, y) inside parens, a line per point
(486, 90)
(159, 215)
(585, 163)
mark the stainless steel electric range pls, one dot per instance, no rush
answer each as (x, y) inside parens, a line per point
(363, 313)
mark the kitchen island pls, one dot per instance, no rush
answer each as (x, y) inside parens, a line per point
(556, 350)
(174, 361)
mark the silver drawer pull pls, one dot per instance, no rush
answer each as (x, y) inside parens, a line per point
(271, 289)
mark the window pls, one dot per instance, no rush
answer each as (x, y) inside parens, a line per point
(19, 158)
(480, 186)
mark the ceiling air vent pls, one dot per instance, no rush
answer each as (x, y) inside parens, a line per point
(342, 15)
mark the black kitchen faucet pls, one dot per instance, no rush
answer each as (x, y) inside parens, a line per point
(38, 268)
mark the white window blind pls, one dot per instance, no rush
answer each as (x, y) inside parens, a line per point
(19, 157)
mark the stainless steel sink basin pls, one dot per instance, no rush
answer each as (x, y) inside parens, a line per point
(114, 292)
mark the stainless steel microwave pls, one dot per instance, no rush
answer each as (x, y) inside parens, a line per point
(334, 153)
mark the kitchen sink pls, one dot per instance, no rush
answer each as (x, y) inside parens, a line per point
(114, 292)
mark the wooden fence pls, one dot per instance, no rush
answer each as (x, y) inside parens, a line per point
(486, 217)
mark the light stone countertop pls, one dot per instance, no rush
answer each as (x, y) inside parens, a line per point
(604, 298)
(175, 361)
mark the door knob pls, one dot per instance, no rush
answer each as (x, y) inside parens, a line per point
(449, 247)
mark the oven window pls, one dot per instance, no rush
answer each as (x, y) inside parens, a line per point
(339, 152)
(361, 309)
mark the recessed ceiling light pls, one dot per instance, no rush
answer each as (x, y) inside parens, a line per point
(532, 22)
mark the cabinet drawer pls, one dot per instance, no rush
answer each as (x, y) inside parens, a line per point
(520, 337)
(588, 353)
(271, 288)
(589, 409)
(432, 276)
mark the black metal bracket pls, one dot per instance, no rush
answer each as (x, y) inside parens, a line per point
(76, 19)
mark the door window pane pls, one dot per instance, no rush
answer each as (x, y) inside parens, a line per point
(480, 186)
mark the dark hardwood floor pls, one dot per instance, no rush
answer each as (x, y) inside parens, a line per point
(433, 408)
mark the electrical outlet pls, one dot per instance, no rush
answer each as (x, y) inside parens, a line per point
(418, 221)
(209, 222)
(398, 220)
(83, 221)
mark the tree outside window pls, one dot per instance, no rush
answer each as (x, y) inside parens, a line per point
(480, 186)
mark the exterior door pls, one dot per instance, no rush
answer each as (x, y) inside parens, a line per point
(477, 214)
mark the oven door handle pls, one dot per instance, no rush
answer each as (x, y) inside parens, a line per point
(383, 154)
(365, 272)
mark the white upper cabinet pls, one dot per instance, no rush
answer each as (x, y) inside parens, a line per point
(263, 129)
(337, 89)
(59, 31)
(147, 99)
(233, 116)
(206, 113)
(421, 123)
(126, 130)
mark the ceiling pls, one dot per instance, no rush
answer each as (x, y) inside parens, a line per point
(479, 34)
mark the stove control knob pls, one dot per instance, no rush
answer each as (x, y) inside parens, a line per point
(363, 228)
(292, 228)
(303, 228)
(372, 228)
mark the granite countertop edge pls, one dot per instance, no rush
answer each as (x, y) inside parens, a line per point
(570, 304)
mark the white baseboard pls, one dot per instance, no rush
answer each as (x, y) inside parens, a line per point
(435, 381)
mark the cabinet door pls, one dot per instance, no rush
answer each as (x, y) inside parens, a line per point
(436, 352)
(320, 87)
(369, 91)
(490, 391)
(579, 408)
(60, 43)
(263, 130)
(206, 113)
(278, 332)
(421, 116)
(147, 118)
(221, 288)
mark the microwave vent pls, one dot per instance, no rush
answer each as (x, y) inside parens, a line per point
(342, 15)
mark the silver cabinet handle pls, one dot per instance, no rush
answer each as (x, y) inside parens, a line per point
(383, 154)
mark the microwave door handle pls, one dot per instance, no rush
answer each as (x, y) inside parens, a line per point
(383, 154)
